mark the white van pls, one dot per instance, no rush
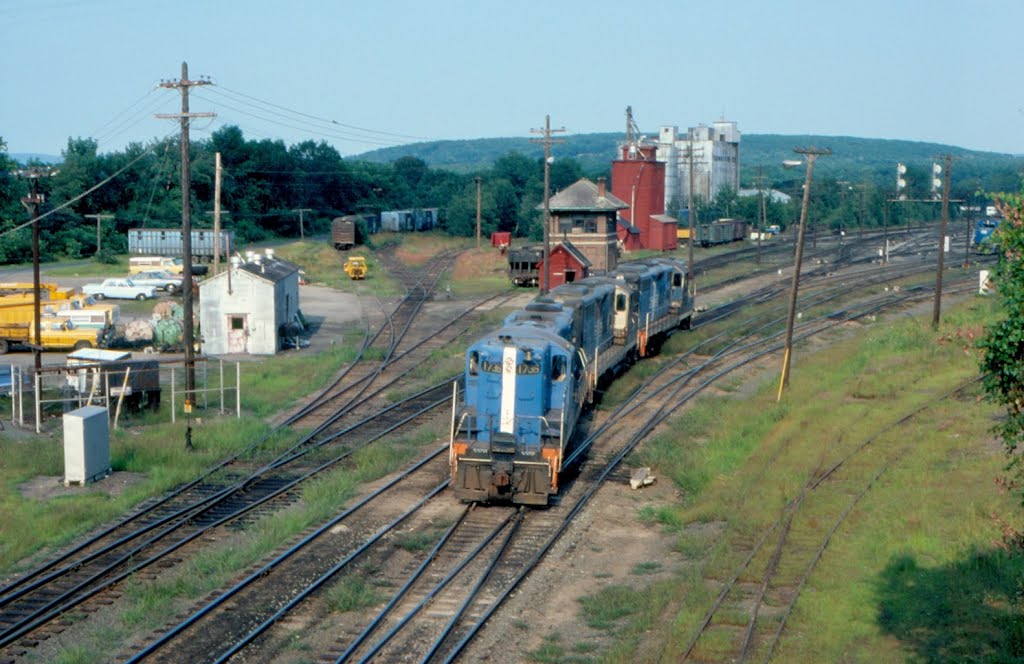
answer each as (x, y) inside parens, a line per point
(138, 264)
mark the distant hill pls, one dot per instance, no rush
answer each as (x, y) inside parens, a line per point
(852, 158)
(25, 158)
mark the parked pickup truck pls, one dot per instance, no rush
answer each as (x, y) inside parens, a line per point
(164, 281)
(124, 289)
(55, 334)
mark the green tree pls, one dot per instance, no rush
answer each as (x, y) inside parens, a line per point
(1002, 362)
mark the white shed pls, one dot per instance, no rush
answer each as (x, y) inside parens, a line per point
(251, 307)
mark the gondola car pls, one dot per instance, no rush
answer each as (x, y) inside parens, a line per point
(526, 384)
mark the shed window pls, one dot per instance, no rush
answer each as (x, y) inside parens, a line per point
(237, 323)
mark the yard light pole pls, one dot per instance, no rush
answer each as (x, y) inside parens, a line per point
(811, 154)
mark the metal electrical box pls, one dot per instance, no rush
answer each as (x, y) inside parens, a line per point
(86, 445)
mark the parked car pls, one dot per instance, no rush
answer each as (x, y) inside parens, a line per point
(124, 289)
(164, 281)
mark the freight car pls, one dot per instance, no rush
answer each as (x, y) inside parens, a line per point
(401, 221)
(527, 383)
(523, 264)
(343, 232)
(722, 231)
(168, 242)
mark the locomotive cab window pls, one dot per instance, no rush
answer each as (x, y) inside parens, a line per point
(620, 302)
(474, 363)
(558, 368)
(677, 279)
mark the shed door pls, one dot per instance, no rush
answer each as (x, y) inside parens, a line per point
(238, 332)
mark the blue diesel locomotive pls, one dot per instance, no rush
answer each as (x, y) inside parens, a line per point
(527, 383)
(983, 230)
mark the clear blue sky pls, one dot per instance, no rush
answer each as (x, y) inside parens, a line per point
(941, 71)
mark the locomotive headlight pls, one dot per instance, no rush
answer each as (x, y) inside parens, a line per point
(528, 355)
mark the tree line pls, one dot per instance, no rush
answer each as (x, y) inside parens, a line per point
(265, 182)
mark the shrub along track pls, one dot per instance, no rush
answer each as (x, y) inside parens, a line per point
(238, 488)
(406, 624)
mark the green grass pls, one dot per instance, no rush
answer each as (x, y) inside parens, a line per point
(350, 594)
(150, 445)
(157, 452)
(912, 574)
(85, 267)
(151, 601)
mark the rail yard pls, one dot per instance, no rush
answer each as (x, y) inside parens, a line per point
(444, 579)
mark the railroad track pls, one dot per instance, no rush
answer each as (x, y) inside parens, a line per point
(468, 631)
(462, 624)
(238, 490)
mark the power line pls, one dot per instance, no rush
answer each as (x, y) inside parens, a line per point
(327, 120)
(344, 137)
(82, 195)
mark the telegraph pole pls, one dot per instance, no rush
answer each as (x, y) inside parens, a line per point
(478, 180)
(99, 219)
(302, 233)
(32, 203)
(811, 154)
(545, 281)
(184, 85)
(936, 312)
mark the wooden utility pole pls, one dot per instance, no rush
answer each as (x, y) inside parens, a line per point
(936, 311)
(99, 219)
(811, 154)
(184, 85)
(478, 180)
(32, 203)
(545, 276)
(302, 226)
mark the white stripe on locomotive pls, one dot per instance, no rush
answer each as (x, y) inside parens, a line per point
(508, 390)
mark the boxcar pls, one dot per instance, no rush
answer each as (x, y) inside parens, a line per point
(343, 232)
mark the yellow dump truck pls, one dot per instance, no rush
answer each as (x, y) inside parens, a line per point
(355, 267)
